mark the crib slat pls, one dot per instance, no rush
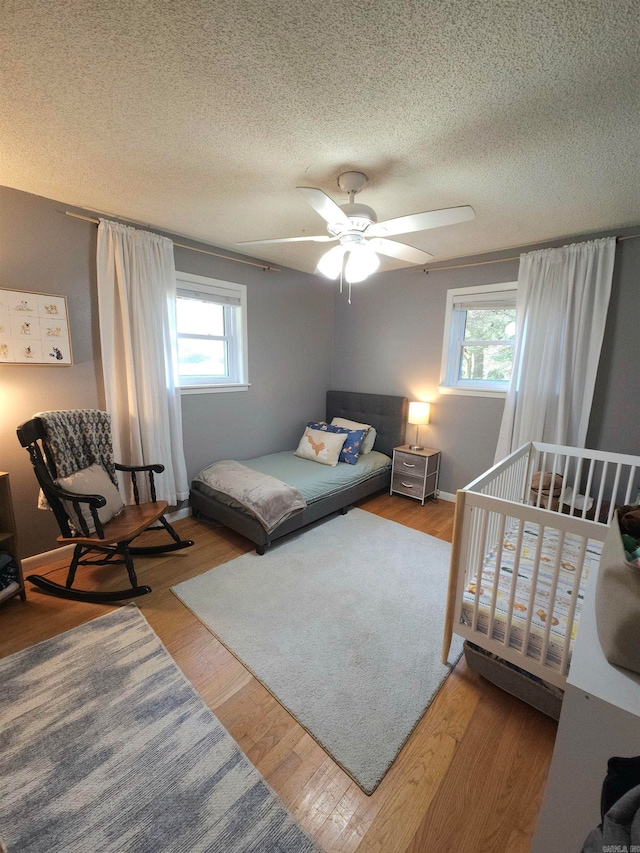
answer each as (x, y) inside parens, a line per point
(533, 466)
(514, 583)
(564, 663)
(632, 476)
(603, 478)
(515, 481)
(588, 489)
(532, 590)
(480, 565)
(496, 577)
(553, 481)
(526, 487)
(543, 468)
(576, 485)
(552, 597)
(614, 493)
(475, 545)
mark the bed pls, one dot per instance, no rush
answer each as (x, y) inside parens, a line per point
(520, 559)
(331, 489)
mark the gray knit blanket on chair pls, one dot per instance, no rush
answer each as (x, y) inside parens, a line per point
(77, 439)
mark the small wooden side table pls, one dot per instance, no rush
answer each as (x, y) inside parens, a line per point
(415, 472)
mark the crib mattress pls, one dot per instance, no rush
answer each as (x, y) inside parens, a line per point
(560, 610)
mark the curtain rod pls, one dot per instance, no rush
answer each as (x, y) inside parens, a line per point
(264, 267)
(500, 260)
(267, 267)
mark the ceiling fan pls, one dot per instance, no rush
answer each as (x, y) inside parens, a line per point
(361, 238)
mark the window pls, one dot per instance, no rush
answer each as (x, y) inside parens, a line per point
(480, 328)
(211, 320)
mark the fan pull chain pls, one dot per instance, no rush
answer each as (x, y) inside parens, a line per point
(349, 293)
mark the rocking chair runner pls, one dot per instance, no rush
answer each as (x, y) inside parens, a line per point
(113, 538)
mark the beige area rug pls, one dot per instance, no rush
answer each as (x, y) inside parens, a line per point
(343, 625)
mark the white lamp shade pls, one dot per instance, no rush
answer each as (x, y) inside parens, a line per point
(419, 413)
(361, 263)
(330, 263)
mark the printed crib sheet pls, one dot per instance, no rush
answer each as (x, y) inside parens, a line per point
(560, 610)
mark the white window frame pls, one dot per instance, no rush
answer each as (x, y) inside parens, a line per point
(454, 325)
(235, 327)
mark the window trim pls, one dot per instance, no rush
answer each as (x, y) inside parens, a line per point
(238, 355)
(481, 294)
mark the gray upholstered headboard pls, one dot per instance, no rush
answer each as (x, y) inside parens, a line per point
(386, 413)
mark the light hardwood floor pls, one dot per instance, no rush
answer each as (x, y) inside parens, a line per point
(470, 777)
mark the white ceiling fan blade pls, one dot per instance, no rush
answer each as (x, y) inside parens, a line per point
(399, 250)
(422, 221)
(325, 206)
(317, 239)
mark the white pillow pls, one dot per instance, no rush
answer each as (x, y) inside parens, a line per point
(321, 446)
(93, 480)
(370, 437)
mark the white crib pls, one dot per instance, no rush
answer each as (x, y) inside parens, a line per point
(517, 564)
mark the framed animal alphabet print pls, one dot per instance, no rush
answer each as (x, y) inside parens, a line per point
(34, 328)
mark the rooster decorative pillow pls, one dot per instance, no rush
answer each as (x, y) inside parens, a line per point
(320, 446)
(353, 444)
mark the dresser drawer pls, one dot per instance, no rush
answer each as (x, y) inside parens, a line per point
(407, 484)
(409, 463)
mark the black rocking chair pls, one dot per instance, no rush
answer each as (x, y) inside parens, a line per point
(112, 539)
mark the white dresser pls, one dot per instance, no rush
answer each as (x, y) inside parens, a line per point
(600, 718)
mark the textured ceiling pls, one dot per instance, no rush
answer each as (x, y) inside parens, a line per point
(202, 116)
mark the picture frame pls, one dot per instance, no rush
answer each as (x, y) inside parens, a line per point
(34, 329)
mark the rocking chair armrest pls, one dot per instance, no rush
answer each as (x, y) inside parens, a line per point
(96, 501)
(150, 470)
(63, 513)
(157, 468)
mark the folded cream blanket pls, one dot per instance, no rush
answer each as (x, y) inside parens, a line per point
(268, 499)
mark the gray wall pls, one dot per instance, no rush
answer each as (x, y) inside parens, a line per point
(389, 340)
(615, 414)
(290, 348)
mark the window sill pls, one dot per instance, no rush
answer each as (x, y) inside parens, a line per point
(472, 392)
(212, 389)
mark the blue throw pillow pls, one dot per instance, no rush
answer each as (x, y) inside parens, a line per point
(352, 445)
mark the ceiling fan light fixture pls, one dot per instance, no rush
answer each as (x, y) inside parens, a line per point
(362, 238)
(361, 263)
(330, 264)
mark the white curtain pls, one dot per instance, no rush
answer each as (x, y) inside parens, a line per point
(136, 304)
(563, 296)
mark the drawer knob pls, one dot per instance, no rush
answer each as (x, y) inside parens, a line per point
(408, 485)
(408, 465)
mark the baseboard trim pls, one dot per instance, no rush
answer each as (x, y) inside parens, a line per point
(447, 496)
(29, 564)
(185, 512)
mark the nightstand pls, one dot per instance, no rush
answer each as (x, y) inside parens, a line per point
(415, 472)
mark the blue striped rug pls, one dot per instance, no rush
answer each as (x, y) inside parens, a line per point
(105, 746)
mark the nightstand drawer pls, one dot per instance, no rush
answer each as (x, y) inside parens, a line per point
(409, 463)
(406, 484)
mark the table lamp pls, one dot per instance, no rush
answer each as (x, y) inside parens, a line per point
(418, 414)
